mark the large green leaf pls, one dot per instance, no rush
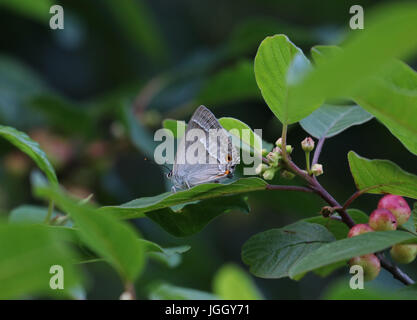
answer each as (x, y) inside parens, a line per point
(233, 283)
(110, 238)
(392, 99)
(137, 208)
(279, 62)
(167, 291)
(22, 141)
(192, 218)
(381, 176)
(27, 253)
(389, 33)
(271, 254)
(345, 249)
(330, 120)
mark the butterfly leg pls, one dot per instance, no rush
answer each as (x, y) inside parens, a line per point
(173, 189)
(187, 184)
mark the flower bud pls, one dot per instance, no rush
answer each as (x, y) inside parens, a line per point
(269, 174)
(261, 168)
(404, 253)
(307, 144)
(264, 152)
(398, 207)
(287, 174)
(382, 220)
(289, 149)
(278, 143)
(317, 169)
(370, 264)
(273, 157)
(359, 229)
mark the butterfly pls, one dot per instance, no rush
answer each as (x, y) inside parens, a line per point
(218, 159)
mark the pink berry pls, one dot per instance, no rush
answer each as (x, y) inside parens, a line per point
(382, 220)
(398, 206)
(370, 264)
(359, 229)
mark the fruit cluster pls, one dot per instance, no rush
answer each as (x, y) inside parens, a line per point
(392, 211)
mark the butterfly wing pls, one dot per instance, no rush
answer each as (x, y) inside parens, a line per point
(219, 156)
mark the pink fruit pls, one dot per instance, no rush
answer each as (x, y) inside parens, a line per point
(397, 205)
(382, 220)
(359, 229)
(404, 253)
(370, 264)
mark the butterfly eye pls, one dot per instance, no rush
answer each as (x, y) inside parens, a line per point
(169, 174)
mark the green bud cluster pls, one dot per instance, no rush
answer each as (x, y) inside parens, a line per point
(274, 162)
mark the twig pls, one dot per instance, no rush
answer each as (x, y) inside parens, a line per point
(318, 150)
(394, 270)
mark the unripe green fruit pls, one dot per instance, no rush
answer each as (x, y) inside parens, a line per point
(359, 229)
(370, 264)
(382, 220)
(398, 206)
(404, 253)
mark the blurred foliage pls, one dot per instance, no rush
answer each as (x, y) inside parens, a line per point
(93, 94)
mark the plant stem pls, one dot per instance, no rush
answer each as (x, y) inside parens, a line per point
(308, 162)
(49, 214)
(284, 143)
(130, 288)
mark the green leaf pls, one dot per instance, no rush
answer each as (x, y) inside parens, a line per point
(271, 254)
(330, 120)
(276, 61)
(37, 10)
(110, 238)
(232, 84)
(25, 144)
(381, 176)
(345, 249)
(391, 96)
(31, 214)
(339, 228)
(242, 131)
(137, 208)
(232, 283)
(392, 99)
(171, 257)
(389, 28)
(27, 253)
(167, 291)
(193, 217)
